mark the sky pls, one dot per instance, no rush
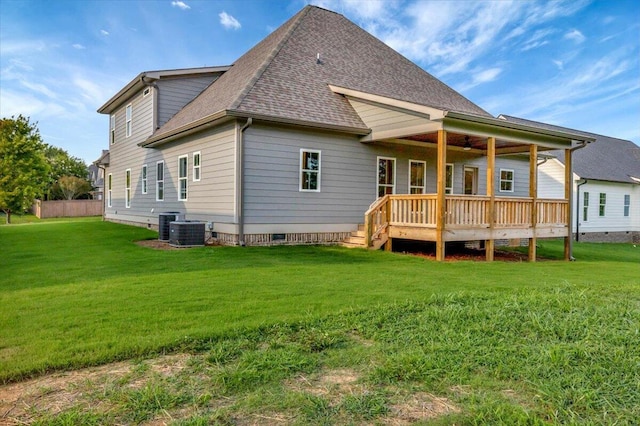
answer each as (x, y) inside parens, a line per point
(573, 63)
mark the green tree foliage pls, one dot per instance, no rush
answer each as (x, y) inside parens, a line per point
(24, 171)
(71, 187)
(62, 164)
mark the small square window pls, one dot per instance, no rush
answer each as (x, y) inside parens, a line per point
(506, 180)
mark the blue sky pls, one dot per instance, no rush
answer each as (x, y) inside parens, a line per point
(573, 63)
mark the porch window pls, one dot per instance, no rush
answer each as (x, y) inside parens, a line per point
(127, 188)
(144, 179)
(160, 181)
(129, 113)
(603, 204)
(182, 177)
(627, 205)
(112, 129)
(585, 207)
(309, 170)
(109, 187)
(386, 176)
(196, 166)
(448, 179)
(417, 179)
(506, 180)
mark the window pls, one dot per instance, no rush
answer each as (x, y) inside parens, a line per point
(627, 205)
(112, 132)
(585, 207)
(145, 92)
(160, 181)
(603, 204)
(448, 179)
(309, 170)
(386, 176)
(417, 172)
(182, 177)
(506, 180)
(144, 178)
(127, 188)
(196, 166)
(109, 187)
(128, 120)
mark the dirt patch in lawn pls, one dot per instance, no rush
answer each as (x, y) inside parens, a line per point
(156, 245)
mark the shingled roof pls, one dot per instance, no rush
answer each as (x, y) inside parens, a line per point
(607, 159)
(281, 78)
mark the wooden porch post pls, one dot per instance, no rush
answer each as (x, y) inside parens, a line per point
(491, 193)
(533, 194)
(568, 190)
(441, 201)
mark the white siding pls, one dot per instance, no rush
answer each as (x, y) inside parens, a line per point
(614, 219)
(551, 179)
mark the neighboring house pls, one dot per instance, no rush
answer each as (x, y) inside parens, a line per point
(316, 131)
(96, 176)
(606, 181)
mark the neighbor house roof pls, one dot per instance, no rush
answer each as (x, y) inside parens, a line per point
(286, 78)
(606, 159)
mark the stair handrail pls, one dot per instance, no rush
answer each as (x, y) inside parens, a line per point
(380, 207)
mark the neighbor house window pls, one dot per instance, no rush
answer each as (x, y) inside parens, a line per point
(128, 120)
(109, 188)
(603, 204)
(417, 176)
(448, 179)
(196, 166)
(182, 177)
(627, 205)
(112, 130)
(160, 181)
(506, 180)
(127, 188)
(144, 178)
(386, 176)
(309, 170)
(585, 207)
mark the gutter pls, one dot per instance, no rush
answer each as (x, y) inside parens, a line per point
(570, 201)
(578, 209)
(240, 195)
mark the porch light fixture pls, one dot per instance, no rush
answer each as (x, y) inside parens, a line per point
(467, 144)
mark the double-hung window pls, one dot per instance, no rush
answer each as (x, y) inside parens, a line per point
(309, 170)
(386, 176)
(603, 204)
(127, 188)
(160, 181)
(506, 180)
(182, 177)
(129, 114)
(196, 166)
(109, 188)
(112, 129)
(417, 173)
(627, 205)
(144, 179)
(585, 207)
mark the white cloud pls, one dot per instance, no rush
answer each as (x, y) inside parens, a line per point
(228, 21)
(78, 46)
(180, 4)
(480, 77)
(38, 88)
(558, 64)
(21, 47)
(575, 35)
(104, 32)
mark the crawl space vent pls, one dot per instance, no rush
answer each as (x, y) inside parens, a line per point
(187, 233)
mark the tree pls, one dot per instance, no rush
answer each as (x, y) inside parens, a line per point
(63, 164)
(72, 187)
(23, 167)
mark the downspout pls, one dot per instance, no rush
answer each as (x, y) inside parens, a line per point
(240, 197)
(572, 150)
(578, 209)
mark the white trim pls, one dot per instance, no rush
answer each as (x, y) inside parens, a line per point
(127, 188)
(585, 207)
(424, 176)
(144, 175)
(109, 189)
(184, 178)
(476, 174)
(512, 180)
(378, 184)
(159, 181)
(302, 170)
(626, 206)
(146, 92)
(128, 121)
(112, 129)
(449, 189)
(198, 167)
(602, 207)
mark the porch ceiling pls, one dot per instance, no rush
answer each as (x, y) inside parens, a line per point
(475, 143)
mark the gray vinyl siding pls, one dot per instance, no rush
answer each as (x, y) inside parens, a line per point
(380, 119)
(175, 93)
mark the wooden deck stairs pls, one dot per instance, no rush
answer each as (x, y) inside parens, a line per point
(357, 240)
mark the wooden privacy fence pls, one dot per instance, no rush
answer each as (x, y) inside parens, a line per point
(67, 208)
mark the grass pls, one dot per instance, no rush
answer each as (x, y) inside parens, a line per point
(267, 329)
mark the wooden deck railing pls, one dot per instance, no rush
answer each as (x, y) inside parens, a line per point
(376, 219)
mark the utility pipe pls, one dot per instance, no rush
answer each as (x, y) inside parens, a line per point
(570, 201)
(578, 209)
(239, 199)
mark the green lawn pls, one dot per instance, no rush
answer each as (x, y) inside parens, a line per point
(550, 341)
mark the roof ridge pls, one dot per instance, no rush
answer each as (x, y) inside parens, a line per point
(268, 59)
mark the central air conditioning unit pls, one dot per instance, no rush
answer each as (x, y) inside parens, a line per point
(186, 233)
(164, 219)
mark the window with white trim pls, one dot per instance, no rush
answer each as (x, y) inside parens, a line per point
(585, 207)
(386, 176)
(506, 180)
(160, 181)
(309, 170)
(448, 179)
(182, 177)
(129, 114)
(112, 129)
(144, 179)
(196, 166)
(417, 176)
(603, 204)
(627, 205)
(127, 188)
(109, 188)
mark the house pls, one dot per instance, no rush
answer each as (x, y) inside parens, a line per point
(96, 176)
(606, 181)
(321, 133)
